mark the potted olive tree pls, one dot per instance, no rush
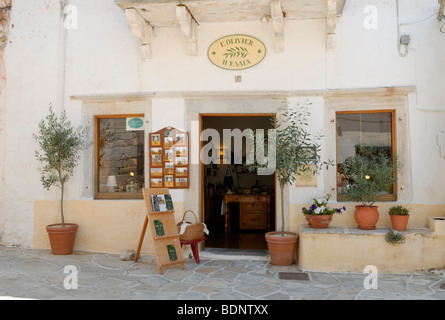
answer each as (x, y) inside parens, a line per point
(369, 174)
(295, 151)
(60, 144)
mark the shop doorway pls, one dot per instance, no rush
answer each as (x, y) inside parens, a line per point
(238, 206)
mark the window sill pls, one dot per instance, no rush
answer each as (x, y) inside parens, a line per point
(119, 196)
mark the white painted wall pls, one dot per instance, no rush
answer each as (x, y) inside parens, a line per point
(103, 58)
(32, 64)
(305, 195)
(301, 65)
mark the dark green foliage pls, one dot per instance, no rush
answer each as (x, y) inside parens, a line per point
(398, 211)
(369, 174)
(394, 237)
(60, 145)
(295, 148)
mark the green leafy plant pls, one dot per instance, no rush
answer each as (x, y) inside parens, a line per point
(296, 151)
(60, 144)
(398, 211)
(368, 174)
(395, 237)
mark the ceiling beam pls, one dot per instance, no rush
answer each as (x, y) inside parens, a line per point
(141, 30)
(331, 24)
(441, 10)
(278, 24)
(189, 28)
(144, 15)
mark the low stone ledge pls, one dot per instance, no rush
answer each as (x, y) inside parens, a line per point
(349, 249)
(305, 229)
(437, 224)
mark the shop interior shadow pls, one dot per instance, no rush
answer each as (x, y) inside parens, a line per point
(236, 238)
(247, 226)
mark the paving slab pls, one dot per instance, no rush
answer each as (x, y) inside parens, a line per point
(37, 274)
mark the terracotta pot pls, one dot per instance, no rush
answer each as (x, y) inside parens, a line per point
(62, 237)
(366, 217)
(319, 221)
(281, 248)
(399, 223)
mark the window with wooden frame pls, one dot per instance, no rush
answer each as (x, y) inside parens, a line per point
(119, 156)
(374, 130)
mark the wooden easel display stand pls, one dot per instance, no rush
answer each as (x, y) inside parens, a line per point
(164, 231)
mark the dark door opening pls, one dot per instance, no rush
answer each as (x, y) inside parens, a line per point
(238, 206)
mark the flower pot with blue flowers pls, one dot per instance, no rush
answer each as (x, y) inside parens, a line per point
(319, 215)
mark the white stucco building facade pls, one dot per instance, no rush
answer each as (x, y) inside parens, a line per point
(83, 57)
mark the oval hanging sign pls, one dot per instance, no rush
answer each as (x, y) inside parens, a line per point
(237, 52)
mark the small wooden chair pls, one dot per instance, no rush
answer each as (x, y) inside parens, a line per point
(195, 248)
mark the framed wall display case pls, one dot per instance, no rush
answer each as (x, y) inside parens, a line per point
(169, 153)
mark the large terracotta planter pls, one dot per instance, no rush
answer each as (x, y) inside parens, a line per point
(366, 217)
(62, 238)
(319, 221)
(399, 223)
(281, 248)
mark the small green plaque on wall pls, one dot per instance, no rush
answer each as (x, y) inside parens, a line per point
(135, 124)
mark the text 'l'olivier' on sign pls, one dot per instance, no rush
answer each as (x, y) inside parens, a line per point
(237, 52)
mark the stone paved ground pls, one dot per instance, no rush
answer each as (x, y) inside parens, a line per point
(36, 274)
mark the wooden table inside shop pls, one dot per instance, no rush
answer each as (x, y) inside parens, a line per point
(253, 208)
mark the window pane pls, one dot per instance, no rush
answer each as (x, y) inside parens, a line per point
(371, 130)
(121, 157)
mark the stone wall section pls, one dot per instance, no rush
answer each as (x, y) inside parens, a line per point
(5, 8)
